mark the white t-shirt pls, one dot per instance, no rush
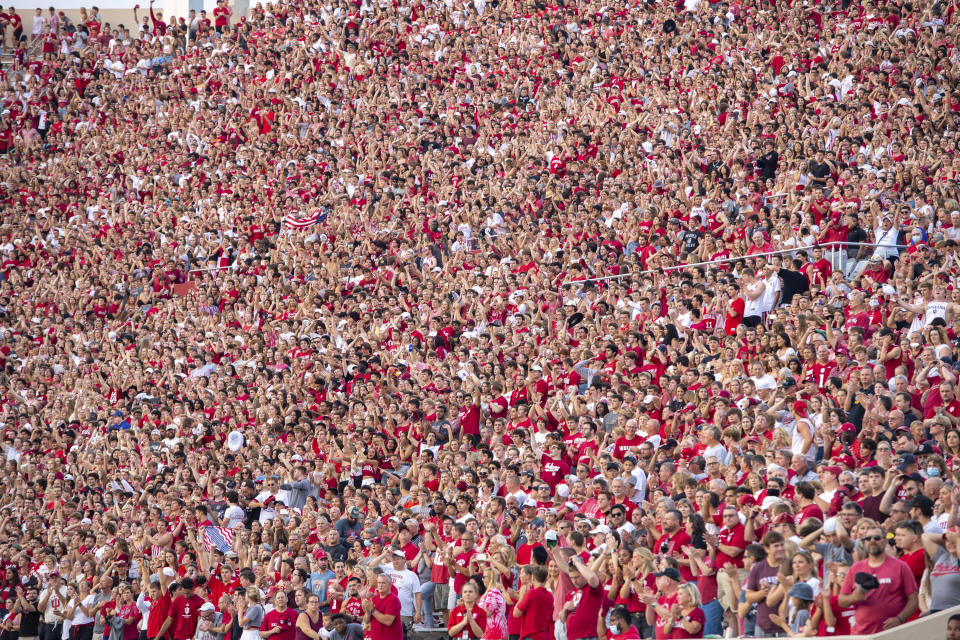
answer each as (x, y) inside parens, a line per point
(56, 602)
(766, 381)
(234, 515)
(78, 616)
(267, 513)
(770, 294)
(717, 451)
(407, 584)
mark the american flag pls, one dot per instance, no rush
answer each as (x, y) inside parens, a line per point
(292, 222)
(219, 537)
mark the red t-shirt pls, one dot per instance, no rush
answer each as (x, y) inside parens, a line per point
(159, 610)
(537, 619)
(470, 420)
(525, 553)
(809, 511)
(286, 621)
(666, 602)
(386, 605)
(582, 621)
(842, 616)
(630, 634)
(887, 600)
(673, 546)
(185, 612)
(460, 579)
(126, 611)
(917, 563)
(220, 15)
(731, 538)
(459, 613)
(694, 616)
(624, 444)
(552, 471)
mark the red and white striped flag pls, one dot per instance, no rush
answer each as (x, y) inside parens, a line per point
(218, 537)
(292, 222)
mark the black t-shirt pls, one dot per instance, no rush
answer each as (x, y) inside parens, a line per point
(767, 164)
(690, 240)
(820, 171)
(252, 514)
(30, 623)
(858, 234)
(336, 552)
(794, 283)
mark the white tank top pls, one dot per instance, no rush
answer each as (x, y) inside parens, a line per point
(796, 446)
(754, 307)
(935, 310)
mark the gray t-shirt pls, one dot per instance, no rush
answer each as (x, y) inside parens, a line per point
(353, 631)
(944, 581)
(99, 624)
(833, 553)
(255, 616)
(799, 620)
(348, 532)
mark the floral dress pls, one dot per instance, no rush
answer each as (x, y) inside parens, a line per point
(496, 607)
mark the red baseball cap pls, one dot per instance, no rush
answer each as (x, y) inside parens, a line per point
(846, 460)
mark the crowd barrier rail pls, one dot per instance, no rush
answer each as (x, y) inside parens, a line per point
(834, 257)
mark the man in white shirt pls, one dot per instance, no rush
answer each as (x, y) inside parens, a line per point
(710, 438)
(407, 584)
(754, 288)
(763, 381)
(52, 600)
(38, 21)
(267, 500)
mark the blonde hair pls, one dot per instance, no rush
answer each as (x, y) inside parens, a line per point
(508, 555)
(691, 590)
(648, 563)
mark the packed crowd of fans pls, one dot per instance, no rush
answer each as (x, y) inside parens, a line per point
(348, 318)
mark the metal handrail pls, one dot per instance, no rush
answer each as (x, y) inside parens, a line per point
(680, 267)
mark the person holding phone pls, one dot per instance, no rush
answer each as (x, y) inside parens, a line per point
(583, 603)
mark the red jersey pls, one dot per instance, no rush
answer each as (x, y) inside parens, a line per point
(285, 620)
(731, 538)
(386, 605)
(666, 602)
(459, 613)
(185, 612)
(537, 620)
(159, 610)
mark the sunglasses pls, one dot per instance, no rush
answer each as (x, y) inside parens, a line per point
(872, 538)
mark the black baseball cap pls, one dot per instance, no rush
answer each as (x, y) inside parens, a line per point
(671, 573)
